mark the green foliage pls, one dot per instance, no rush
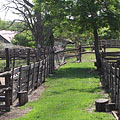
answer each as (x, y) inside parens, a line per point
(16, 26)
(24, 39)
(70, 92)
(3, 25)
(106, 33)
(9, 25)
(76, 19)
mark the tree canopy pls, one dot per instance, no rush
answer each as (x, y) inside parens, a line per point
(74, 19)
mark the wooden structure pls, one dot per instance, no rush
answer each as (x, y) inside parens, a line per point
(24, 78)
(36, 65)
(5, 92)
(110, 76)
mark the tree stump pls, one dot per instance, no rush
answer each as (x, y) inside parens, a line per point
(100, 104)
(23, 97)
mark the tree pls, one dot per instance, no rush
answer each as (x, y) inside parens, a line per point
(31, 18)
(24, 39)
(3, 25)
(83, 15)
(95, 14)
(54, 16)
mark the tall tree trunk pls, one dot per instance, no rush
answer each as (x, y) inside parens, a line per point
(39, 30)
(97, 53)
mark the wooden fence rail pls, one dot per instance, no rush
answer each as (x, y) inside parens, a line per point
(39, 63)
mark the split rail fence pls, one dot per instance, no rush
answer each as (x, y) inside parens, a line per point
(34, 65)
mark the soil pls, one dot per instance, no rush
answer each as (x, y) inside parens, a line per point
(16, 112)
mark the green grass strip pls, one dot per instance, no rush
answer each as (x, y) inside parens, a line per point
(69, 93)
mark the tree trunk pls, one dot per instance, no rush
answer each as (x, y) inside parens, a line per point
(39, 30)
(97, 53)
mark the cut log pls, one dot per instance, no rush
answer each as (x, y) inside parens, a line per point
(23, 97)
(100, 105)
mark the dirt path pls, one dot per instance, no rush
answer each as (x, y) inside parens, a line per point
(16, 112)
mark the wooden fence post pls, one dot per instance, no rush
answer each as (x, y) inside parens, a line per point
(8, 81)
(28, 57)
(13, 59)
(38, 74)
(28, 78)
(80, 54)
(104, 47)
(7, 67)
(51, 60)
(20, 78)
(119, 94)
(33, 76)
(112, 84)
(47, 62)
(8, 94)
(110, 77)
(63, 59)
(43, 63)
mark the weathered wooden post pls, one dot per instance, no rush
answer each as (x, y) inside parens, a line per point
(47, 61)
(52, 60)
(110, 77)
(112, 83)
(19, 84)
(80, 53)
(49, 58)
(33, 75)
(63, 59)
(119, 94)
(104, 47)
(7, 55)
(13, 58)
(28, 57)
(8, 80)
(43, 62)
(8, 93)
(28, 78)
(38, 54)
(38, 74)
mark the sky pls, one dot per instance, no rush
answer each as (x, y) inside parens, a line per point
(9, 15)
(6, 15)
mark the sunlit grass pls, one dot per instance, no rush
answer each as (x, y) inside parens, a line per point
(69, 93)
(112, 49)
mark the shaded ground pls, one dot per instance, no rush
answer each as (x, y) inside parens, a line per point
(16, 111)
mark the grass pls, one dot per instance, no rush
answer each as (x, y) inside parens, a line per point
(2, 65)
(69, 93)
(87, 57)
(112, 49)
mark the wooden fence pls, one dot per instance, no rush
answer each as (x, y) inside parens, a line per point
(37, 65)
(24, 78)
(110, 76)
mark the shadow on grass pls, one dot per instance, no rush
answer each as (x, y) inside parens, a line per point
(74, 73)
(87, 90)
(80, 73)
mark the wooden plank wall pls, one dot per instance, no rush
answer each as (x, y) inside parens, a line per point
(30, 77)
(110, 79)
